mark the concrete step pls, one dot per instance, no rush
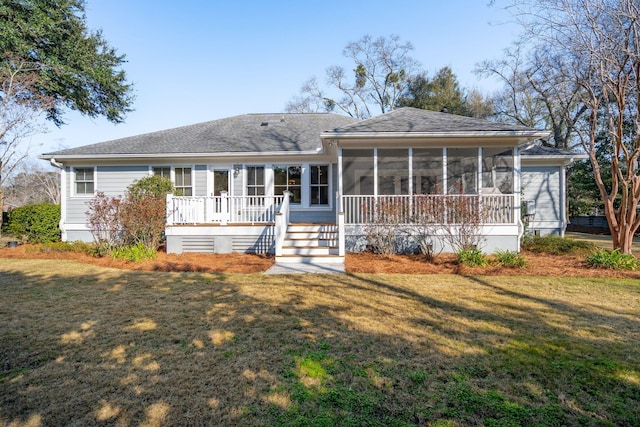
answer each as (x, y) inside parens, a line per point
(310, 242)
(315, 228)
(311, 234)
(309, 250)
(315, 259)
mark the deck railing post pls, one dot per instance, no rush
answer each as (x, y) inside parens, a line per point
(169, 220)
(341, 234)
(224, 208)
(281, 223)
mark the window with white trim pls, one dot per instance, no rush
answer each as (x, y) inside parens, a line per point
(288, 178)
(84, 181)
(162, 171)
(319, 185)
(255, 180)
(183, 182)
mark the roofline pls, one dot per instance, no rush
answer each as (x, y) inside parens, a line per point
(576, 156)
(48, 156)
(500, 134)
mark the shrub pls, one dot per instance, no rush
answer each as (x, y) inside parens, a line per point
(150, 186)
(384, 223)
(472, 257)
(76, 247)
(104, 221)
(138, 218)
(555, 245)
(615, 260)
(134, 253)
(35, 223)
(510, 259)
(143, 211)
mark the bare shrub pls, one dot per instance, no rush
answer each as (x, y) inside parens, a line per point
(384, 222)
(104, 221)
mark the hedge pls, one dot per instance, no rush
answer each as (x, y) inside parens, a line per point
(35, 223)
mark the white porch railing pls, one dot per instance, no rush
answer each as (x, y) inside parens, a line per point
(282, 222)
(433, 209)
(222, 209)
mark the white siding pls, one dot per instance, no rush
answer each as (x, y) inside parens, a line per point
(112, 180)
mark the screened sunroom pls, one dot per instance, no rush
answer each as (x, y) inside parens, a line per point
(445, 177)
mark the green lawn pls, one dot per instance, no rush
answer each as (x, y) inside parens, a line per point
(602, 241)
(84, 345)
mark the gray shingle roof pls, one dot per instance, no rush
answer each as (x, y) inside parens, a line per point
(245, 133)
(264, 133)
(409, 119)
(544, 151)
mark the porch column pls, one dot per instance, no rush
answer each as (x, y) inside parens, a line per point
(444, 171)
(563, 199)
(375, 172)
(479, 184)
(339, 194)
(517, 185)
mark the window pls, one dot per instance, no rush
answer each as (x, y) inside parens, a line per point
(319, 185)
(164, 172)
(183, 182)
(288, 178)
(84, 181)
(255, 181)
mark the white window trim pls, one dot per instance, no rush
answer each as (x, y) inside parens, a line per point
(193, 177)
(304, 169)
(74, 193)
(267, 178)
(319, 208)
(172, 174)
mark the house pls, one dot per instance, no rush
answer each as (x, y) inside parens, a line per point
(231, 177)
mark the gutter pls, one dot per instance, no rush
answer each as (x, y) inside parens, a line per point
(55, 164)
(180, 155)
(475, 134)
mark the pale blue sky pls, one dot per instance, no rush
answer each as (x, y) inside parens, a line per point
(194, 61)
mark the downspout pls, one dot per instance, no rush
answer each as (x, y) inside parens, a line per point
(63, 198)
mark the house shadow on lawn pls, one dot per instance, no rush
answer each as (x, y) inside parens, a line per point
(97, 346)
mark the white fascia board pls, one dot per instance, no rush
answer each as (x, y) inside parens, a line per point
(475, 134)
(178, 155)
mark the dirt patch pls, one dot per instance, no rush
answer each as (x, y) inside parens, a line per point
(537, 264)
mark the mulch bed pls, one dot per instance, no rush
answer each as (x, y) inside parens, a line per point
(537, 264)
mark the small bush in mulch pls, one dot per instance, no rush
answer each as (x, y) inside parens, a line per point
(615, 260)
(472, 257)
(510, 259)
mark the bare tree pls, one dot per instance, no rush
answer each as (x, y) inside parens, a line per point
(382, 68)
(20, 107)
(537, 93)
(32, 184)
(599, 41)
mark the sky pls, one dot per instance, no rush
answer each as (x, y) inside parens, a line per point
(194, 61)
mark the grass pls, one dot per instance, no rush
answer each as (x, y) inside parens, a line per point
(556, 245)
(602, 241)
(85, 345)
